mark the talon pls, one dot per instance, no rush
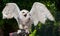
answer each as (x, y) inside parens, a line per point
(19, 31)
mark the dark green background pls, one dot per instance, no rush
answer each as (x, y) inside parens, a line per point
(48, 29)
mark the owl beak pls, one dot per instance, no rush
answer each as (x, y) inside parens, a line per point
(25, 15)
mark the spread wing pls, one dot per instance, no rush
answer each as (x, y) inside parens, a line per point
(39, 12)
(10, 10)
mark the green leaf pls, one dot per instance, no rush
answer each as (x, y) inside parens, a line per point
(33, 33)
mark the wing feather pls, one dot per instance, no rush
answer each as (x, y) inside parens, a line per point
(12, 9)
(39, 12)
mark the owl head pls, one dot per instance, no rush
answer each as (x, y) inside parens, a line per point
(24, 12)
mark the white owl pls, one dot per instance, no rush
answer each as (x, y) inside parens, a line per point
(38, 13)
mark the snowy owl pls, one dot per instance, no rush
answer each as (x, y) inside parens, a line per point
(24, 18)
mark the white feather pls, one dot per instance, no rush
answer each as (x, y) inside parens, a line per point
(11, 10)
(39, 12)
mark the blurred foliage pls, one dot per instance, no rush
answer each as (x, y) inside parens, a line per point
(48, 29)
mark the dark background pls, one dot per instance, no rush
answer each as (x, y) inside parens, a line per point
(48, 29)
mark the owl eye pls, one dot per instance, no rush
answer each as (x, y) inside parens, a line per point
(23, 12)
